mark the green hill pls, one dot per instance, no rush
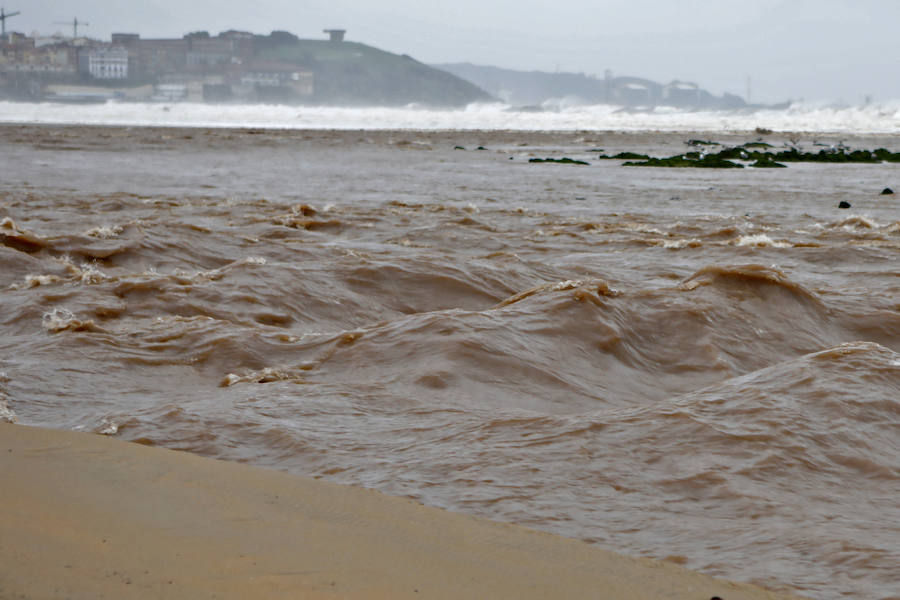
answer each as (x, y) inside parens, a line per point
(350, 73)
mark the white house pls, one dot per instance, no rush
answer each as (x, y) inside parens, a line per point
(108, 63)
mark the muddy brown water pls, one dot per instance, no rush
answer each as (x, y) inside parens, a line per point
(699, 366)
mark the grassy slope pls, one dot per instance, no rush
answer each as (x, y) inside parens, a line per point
(356, 74)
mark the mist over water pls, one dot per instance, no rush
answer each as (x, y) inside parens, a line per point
(561, 115)
(694, 365)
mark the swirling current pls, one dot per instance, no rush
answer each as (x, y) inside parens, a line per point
(693, 365)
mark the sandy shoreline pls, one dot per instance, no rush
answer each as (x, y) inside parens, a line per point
(85, 516)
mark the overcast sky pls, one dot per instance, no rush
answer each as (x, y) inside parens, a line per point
(789, 49)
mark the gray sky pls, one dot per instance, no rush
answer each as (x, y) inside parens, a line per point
(810, 49)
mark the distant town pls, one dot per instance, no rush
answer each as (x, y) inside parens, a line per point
(196, 67)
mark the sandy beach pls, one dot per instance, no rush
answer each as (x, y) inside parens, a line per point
(84, 516)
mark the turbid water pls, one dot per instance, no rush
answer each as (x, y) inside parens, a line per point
(694, 365)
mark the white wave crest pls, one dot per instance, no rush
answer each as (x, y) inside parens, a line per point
(760, 240)
(874, 118)
(6, 413)
(32, 281)
(62, 319)
(105, 232)
(682, 243)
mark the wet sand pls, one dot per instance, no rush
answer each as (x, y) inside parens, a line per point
(91, 517)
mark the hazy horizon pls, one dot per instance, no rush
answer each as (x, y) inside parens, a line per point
(788, 49)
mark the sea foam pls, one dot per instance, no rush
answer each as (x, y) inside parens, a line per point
(810, 117)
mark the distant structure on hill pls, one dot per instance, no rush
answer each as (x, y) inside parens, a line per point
(233, 66)
(534, 88)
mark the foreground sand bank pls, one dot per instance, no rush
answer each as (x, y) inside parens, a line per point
(83, 516)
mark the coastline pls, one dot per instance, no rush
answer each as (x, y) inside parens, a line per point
(85, 516)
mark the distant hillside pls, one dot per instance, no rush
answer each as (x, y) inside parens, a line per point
(350, 73)
(526, 88)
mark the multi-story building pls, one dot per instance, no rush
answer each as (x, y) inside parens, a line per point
(107, 62)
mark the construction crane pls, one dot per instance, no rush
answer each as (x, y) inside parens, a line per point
(74, 23)
(4, 16)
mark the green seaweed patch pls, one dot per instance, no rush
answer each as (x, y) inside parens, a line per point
(562, 161)
(830, 156)
(886, 155)
(701, 143)
(766, 162)
(759, 159)
(681, 161)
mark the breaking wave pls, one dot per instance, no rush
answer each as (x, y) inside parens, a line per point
(809, 117)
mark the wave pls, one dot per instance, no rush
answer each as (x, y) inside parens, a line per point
(95, 244)
(807, 117)
(577, 344)
(811, 439)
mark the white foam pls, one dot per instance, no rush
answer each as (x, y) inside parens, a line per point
(682, 243)
(59, 319)
(6, 413)
(266, 375)
(106, 232)
(854, 222)
(108, 428)
(760, 240)
(91, 275)
(32, 281)
(874, 118)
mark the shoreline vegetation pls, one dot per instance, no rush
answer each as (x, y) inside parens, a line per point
(89, 516)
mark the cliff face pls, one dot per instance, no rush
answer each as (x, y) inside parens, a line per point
(354, 74)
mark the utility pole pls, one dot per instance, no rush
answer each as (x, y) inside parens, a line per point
(74, 23)
(3, 17)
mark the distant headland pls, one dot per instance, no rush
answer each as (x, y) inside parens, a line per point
(534, 89)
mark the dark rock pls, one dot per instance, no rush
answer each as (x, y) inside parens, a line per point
(459, 147)
(887, 192)
(563, 161)
(844, 204)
